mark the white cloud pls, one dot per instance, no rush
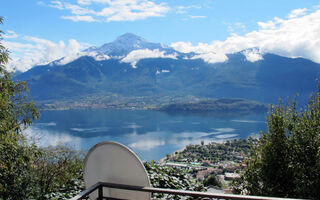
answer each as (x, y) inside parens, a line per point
(211, 57)
(293, 37)
(134, 56)
(88, 2)
(186, 12)
(71, 57)
(56, 4)
(78, 10)
(99, 57)
(236, 28)
(10, 34)
(78, 18)
(197, 16)
(16, 46)
(184, 9)
(253, 55)
(267, 25)
(30, 51)
(297, 13)
(111, 10)
(187, 47)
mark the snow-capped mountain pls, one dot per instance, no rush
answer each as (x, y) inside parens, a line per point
(128, 48)
(126, 43)
(132, 66)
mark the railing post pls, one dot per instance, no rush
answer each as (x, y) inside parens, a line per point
(100, 192)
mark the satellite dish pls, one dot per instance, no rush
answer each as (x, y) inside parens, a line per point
(115, 163)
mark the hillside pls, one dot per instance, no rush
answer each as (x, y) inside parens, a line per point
(226, 106)
(117, 69)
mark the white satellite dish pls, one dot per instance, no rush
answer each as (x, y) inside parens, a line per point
(115, 163)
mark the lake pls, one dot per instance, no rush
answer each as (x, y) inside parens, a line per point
(150, 134)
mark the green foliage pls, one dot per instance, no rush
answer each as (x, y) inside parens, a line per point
(286, 160)
(16, 176)
(4, 54)
(27, 171)
(217, 106)
(17, 110)
(212, 180)
(167, 177)
(54, 168)
(233, 150)
(73, 187)
(16, 155)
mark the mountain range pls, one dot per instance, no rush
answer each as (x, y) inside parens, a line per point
(133, 67)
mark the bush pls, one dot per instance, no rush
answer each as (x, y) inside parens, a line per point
(167, 177)
(54, 168)
(16, 174)
(286, 160)
(212, 180)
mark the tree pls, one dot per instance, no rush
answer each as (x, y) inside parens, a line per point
(285, 162)
(27, 171)
(16, 176)
(17, 109)
(212, 180)
(56, 167)
(16, 113)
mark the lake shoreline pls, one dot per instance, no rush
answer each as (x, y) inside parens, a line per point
(162, 160)
(149, 133)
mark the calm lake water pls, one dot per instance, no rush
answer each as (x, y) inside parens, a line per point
(150, 134)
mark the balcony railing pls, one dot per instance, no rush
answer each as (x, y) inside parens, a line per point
(100, 185)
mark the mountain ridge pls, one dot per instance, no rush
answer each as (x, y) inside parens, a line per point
(126, 43)
(265, 79)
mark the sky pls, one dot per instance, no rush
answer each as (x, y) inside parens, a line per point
(40, 31)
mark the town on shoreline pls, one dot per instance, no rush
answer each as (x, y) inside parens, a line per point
(221, 161)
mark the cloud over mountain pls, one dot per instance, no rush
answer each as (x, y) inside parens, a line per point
(296, 36)
(29, 51)
(134, 56)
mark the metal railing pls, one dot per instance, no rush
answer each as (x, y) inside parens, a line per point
(100, 185)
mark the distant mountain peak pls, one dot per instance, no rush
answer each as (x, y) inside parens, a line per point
(129, 38)
(126, 43)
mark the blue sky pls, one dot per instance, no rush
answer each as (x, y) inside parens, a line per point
(38, 30)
